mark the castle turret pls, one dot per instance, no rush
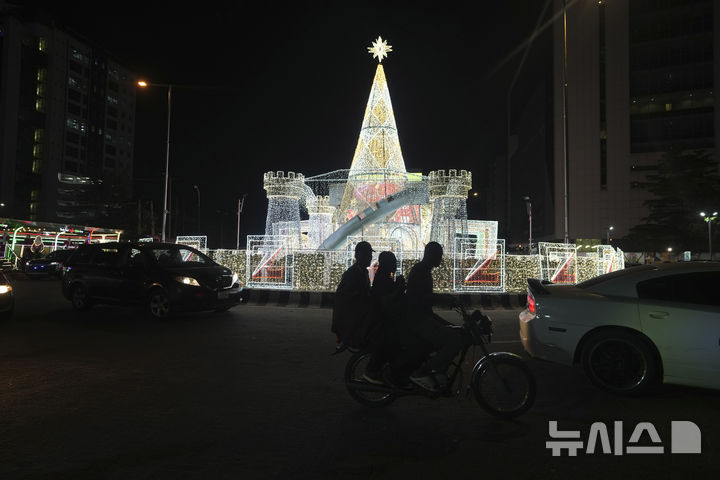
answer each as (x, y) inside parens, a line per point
(448, 195)
(283, 193)
(320, 224)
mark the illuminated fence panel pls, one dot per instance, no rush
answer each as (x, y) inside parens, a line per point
(607, 259)
(198, 242)
(269, 262)
(559, 262)
(477, 270)
(619, 259)
(235, 260)
(318, 271)
(518, 268)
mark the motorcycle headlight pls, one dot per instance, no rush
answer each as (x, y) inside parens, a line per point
(187, 281)
(5, 289)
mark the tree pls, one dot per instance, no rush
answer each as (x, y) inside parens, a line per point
(686, 183)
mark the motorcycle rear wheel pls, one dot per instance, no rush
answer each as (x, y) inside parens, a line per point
(505, 387)
(354, 370)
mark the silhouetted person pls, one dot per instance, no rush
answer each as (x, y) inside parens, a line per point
(352, 320)
(446, 339)
(387, 295)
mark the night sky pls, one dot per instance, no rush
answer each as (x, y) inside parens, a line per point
(284, 87)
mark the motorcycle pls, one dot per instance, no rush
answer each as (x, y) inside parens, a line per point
(501, 382)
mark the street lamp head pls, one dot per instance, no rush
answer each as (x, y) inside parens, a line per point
(702, 214)
(611, 227)
(142, 83)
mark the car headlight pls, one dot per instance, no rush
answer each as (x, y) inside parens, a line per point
(235, 278)
(187, 281)
(5, 289)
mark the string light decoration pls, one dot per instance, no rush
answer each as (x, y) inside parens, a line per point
(559, 262)
(518, 268)
(378, 167)
(377, 200)
(235, 260)
(320, 222)
(380, 49)
(283, 193)
(478, 271)
(448, 194)
(198, 242)
(607, 258)
(269, 262)
(587, 267)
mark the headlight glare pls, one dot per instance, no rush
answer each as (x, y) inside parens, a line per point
(5, 289)
(187, 281)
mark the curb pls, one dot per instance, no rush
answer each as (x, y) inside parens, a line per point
(284, 298)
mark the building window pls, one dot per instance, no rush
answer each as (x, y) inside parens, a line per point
(42, 44)
(38, 135)
(40, 105)
(112, 100)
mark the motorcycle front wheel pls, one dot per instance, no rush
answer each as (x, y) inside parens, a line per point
(367, 394)
(504, 386)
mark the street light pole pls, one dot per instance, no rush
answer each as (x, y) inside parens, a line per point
(144, 84)
(528, 206)
(709, 218)
(241, 203)
(565, 122)
(167, 164)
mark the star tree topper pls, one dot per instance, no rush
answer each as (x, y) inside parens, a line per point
(380, 49)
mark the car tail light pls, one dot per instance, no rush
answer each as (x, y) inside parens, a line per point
(531, 303)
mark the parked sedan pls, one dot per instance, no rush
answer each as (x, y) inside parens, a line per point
(51, 265)
(159, 277)
(631, 329)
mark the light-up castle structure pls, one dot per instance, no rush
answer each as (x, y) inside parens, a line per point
(378, 200)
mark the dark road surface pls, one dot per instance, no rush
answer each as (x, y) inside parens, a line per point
(253, 393)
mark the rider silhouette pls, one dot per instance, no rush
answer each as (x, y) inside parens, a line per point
(444, 337)
(352, 320)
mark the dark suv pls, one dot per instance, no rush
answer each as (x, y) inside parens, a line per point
(160, 277)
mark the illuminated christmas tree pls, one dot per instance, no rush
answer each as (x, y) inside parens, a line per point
(378, 168)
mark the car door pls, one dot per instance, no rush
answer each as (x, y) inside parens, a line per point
(681, 314)
(135, 275)
(108, 272)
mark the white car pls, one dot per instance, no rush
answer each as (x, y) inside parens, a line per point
(631, 329)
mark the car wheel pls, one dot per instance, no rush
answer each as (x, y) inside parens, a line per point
(158, 304)
(80, 298)
(621, 362)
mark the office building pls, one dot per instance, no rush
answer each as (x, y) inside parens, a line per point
(66, 125)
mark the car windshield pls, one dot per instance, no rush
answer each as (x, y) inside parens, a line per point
(178, 255)
(613, 275)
